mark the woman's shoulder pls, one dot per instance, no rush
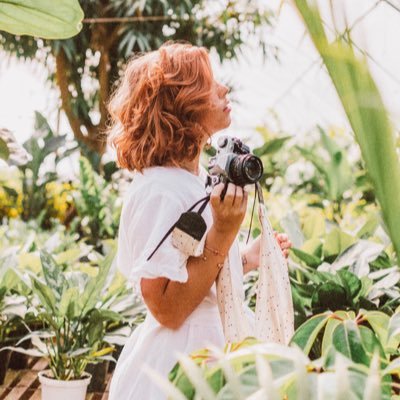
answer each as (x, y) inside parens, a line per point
(165, 181)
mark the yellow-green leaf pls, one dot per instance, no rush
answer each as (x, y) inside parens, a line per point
(47, 19)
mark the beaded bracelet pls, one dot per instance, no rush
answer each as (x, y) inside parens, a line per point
(215, 252)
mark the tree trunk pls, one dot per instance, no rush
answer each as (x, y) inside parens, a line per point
(92, 137)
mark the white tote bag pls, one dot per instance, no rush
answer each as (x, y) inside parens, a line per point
(274, 315)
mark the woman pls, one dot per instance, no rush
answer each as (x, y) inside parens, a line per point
(166, 108)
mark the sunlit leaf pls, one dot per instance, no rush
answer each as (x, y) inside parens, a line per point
(305, 335)
(4, 152)
(366, 113)
(41, 18)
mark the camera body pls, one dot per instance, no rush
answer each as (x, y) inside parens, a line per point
(234, 163)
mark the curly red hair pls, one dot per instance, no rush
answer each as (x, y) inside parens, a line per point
(157, 107)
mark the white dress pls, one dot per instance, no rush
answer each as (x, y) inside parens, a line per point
(154, 201)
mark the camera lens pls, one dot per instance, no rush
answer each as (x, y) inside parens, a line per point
(253, 169)
(245, 169)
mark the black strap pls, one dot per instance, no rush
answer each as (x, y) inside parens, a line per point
(205, 200)
(252, 214)
(202, 207)
(162, 241)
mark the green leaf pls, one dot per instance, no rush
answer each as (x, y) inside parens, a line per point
(337, 241)
(339, 174)
(381, 262)
(109, 315)
(329, 144)
(346, 338)
(393, 367)
(67, 303)
(369, 227)
(4, 151)
(308, 259)
(366, 113)
(329, 296)
(53, 274)
(271, 146)
(95, 329)
(379, 322)
(306, 334)
(371, 344)
(182, 382)
(91, 295)
(313, 246)
(393, 335)
(373, 389)
(41, 18)
(52, 143)
(351, 283)
(319, 163)
(314, 226)
(329, 329)
(10, 279)
(46, 296)
(28, 352)
(41, 124)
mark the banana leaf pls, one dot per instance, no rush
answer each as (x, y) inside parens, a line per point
(47, 19)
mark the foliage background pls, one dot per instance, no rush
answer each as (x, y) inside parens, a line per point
(343, 266)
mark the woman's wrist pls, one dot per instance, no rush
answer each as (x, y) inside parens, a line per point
(247, 262)
(219, 240)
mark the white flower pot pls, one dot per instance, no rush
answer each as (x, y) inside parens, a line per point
(53, 389)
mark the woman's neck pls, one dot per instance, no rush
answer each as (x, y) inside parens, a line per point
(192, 166)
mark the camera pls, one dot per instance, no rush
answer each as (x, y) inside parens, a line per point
(234, 163)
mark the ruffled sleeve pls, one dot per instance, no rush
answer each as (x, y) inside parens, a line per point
(145, 219)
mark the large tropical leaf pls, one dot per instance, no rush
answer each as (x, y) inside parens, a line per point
(305, 336)
(336, 171)
(10, 150)
(366, 113)
(45, 295)
(93, 289)
(53, 274)
(346, 338)
(47, 19)
(271, 146)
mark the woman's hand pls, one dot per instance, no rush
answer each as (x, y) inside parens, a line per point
(228, 213)
(284, 243)
(252, 252)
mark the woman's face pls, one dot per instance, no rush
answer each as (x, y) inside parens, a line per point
(217, 116)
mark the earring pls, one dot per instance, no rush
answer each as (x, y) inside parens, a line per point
(207, 146)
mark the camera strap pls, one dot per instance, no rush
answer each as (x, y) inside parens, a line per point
(252, 211)
(190, 223)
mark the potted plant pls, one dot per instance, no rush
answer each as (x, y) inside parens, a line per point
(74, 326)
(120, 298)
(12, 311)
